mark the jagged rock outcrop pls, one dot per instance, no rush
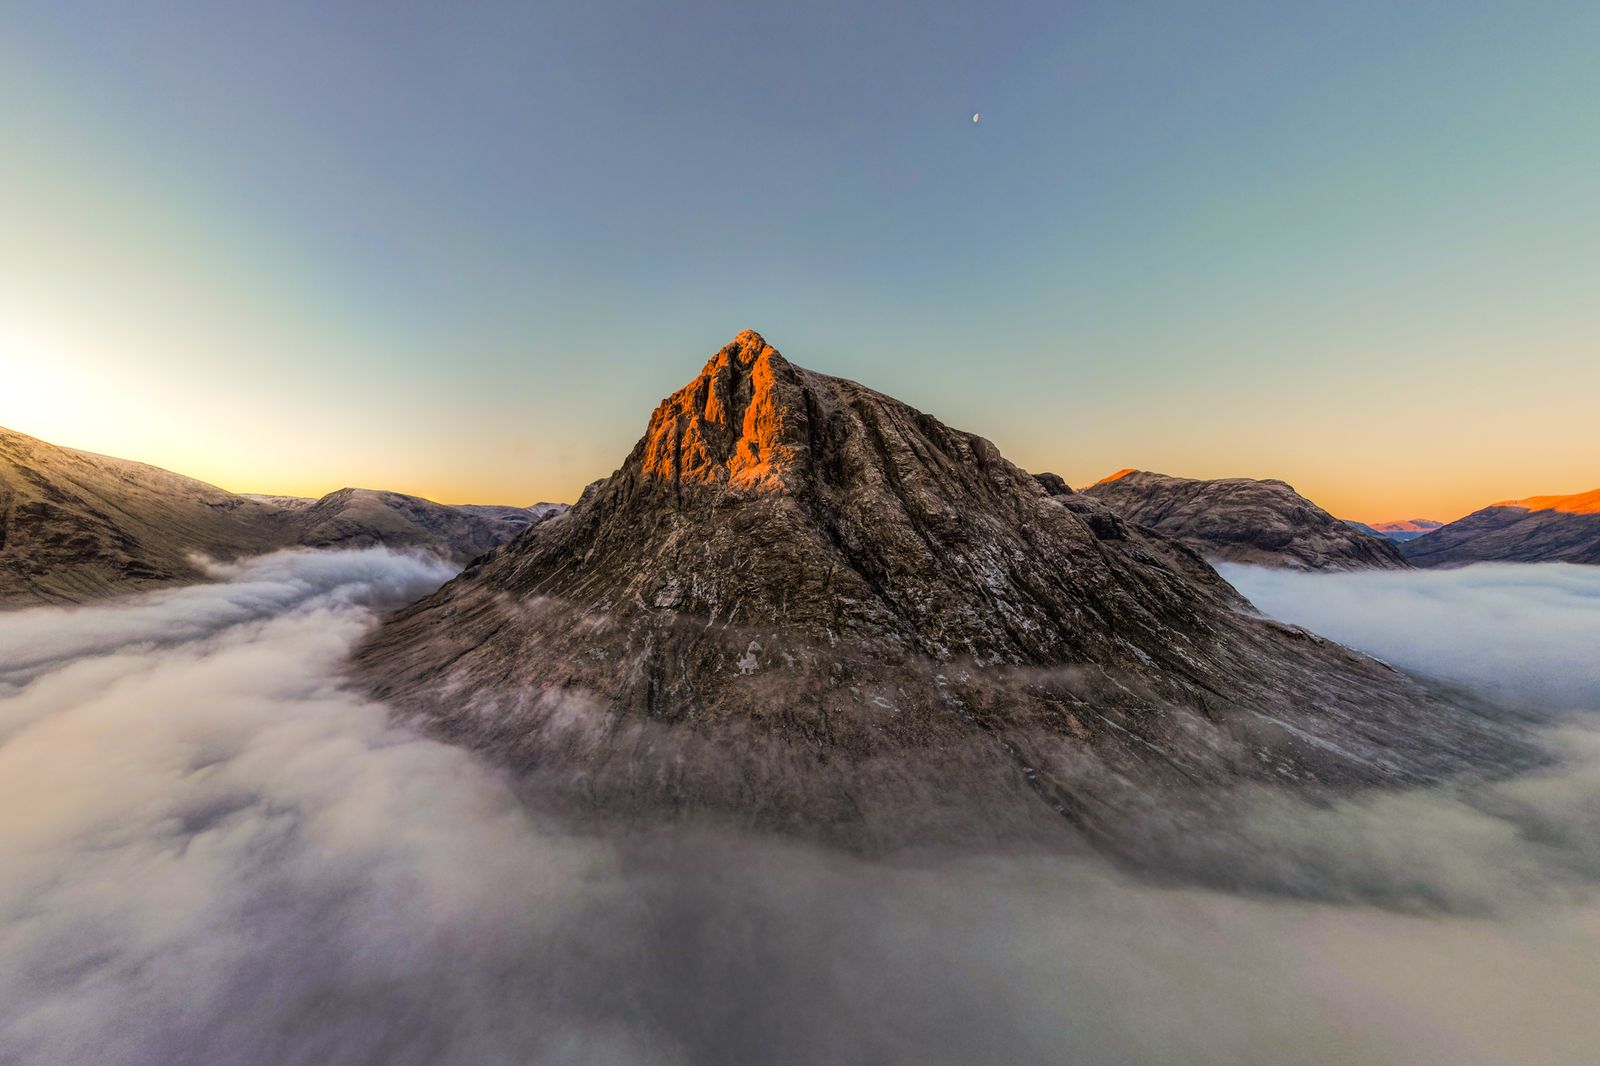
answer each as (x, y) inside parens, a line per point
(1540, 529)
(1242, 520)
(803, 604)
(75, 526)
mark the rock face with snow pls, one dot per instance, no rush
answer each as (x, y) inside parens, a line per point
(1540, 529)
(803, 604)
(75, 526)
(1242, 520)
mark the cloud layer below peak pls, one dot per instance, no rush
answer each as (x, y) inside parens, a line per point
(211, 851)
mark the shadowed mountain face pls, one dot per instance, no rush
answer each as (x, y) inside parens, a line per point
(75, 526)
(803, 604)
(1242, 520)
(1540, 529)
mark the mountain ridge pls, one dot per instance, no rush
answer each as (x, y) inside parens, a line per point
(1260, 521)
(1571, 503)
(1536, 529)
(77, 525)
(1399, 530)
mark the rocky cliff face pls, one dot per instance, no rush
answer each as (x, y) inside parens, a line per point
(1242, 520)
(802, 604)
(1540, 529)
(75, 526)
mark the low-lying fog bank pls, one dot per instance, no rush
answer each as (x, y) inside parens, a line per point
(211, 852)
(1529, 633)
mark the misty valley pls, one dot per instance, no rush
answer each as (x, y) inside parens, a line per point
(212, 833)
(817, 732)
(1146, 614)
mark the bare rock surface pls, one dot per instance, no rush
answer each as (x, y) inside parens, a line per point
(802, 604)
(1243, 520)
(75, 526)
(1540, 529)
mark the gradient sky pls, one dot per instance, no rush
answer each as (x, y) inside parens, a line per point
(288, 247)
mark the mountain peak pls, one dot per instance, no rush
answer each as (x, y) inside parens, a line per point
(750, 339)
(807, 604)
(741, 424)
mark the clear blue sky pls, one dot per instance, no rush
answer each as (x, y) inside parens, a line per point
(463, 250)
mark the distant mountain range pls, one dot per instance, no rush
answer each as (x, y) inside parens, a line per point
(1402, 531)
(804, 605)
(75, 525)
(1539, 529)
(1244, 520)
(1267, 523)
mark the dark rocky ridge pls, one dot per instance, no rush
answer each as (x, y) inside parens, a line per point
(1543, 529)
(75, 526)
(802, 604)
(1242, 520)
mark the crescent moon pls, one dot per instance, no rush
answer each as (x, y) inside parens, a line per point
(974, 118)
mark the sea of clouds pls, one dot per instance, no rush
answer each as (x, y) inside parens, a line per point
(212, 851)
(1529, 634)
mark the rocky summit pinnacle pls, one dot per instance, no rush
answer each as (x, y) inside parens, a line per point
(803, 604)
(742, 423)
